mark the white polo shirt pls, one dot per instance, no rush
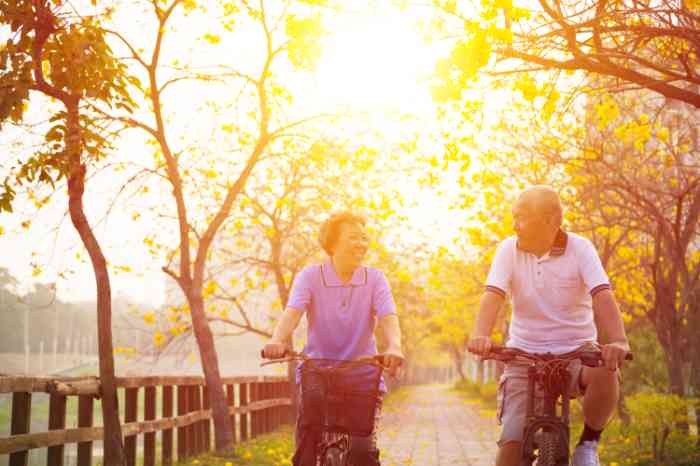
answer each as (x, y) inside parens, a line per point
(551, 295)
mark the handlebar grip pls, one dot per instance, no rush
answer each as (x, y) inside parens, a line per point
(264, 356)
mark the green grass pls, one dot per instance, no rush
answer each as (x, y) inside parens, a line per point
(274, 449)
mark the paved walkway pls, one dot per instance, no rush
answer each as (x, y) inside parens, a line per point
(432, 425)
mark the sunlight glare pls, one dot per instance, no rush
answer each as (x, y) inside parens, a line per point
(376, 62)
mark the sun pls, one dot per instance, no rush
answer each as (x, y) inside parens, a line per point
(373, 61)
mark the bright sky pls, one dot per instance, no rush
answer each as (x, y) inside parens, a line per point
(374, 63)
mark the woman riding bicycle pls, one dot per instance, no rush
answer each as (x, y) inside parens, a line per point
(343, 302)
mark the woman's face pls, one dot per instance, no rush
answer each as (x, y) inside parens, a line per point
(352, 243)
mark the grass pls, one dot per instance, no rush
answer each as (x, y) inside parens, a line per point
(274, 449)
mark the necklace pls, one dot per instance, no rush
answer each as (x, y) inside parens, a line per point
(347, 298)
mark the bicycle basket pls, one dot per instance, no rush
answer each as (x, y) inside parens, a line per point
(338, 397)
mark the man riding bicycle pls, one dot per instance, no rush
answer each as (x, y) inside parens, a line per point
(559, 292)
(343, 302)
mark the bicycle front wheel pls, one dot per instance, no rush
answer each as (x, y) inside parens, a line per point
(548, 449)
(333, 456)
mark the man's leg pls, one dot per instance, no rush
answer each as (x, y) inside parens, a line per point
(602, 393)
(509, 454)
(602, 390)
(512, 408)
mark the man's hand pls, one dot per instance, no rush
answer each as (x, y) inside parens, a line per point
(393, 362)
(480, 345)
(614, 354)
(274, 350)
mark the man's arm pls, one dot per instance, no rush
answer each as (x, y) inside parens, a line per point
(284, 329)
(489, 307)
(607, 315)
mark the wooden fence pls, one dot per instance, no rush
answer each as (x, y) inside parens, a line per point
(257, 405)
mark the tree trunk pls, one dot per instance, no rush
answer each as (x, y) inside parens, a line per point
(223, 432)
(458, 360)
(674, 364)
(113, 444)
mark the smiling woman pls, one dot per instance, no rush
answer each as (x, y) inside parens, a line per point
(375, 60)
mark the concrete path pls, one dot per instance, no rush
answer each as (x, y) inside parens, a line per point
(435, 425)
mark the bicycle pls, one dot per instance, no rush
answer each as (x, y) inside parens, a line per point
(339, 400)
(545, 431)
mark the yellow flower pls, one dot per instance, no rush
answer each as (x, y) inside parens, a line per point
(247, 455)
(149, 318)
(158, 339)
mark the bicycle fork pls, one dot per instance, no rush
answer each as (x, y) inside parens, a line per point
(545, 427)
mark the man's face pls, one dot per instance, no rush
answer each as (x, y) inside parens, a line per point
(530, 225)
(352, 243)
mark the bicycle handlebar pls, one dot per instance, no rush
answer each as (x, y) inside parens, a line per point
(294, 356)
(589, 356)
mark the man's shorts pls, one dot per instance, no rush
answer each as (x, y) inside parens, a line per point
(512, 398)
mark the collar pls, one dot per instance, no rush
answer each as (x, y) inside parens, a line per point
(330, 277)
(559, 246)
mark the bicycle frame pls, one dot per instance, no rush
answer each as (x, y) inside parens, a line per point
(546, 429)
(548, 420)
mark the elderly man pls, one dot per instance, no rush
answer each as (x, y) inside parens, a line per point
(559, 291)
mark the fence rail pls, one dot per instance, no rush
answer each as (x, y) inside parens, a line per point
(257, 404)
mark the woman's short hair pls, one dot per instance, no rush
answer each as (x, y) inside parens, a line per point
(330, 229)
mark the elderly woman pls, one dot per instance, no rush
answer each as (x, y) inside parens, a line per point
(343, 300)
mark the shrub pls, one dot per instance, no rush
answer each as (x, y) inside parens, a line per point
(653, 418)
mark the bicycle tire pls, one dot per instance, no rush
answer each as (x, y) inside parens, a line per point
(333, 456)
(548, 448)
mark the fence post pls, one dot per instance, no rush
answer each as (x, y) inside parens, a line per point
(243, 401)
(85, 410)
(231, 402)
(265, 417)
(182, 431)
(191, 438)
(167, 435)
(21, 415)
(57, 421)
(206, 423)
(254, 415)
(149, 439)
(131, 397)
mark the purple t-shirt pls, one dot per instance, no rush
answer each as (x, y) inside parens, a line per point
(341, 317)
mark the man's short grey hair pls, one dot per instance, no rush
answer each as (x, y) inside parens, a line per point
(544, 200)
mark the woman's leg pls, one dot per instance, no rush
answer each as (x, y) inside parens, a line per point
(305, 439)
(363, 450)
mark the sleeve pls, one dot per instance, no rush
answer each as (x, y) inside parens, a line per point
(382, 299)
(591, 269)
(501, 273)
(300, 297)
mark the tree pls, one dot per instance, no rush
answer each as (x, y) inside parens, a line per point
(65, 57)
(292, 30)
(650, 45)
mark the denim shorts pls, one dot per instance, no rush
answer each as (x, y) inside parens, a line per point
(512, 398)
